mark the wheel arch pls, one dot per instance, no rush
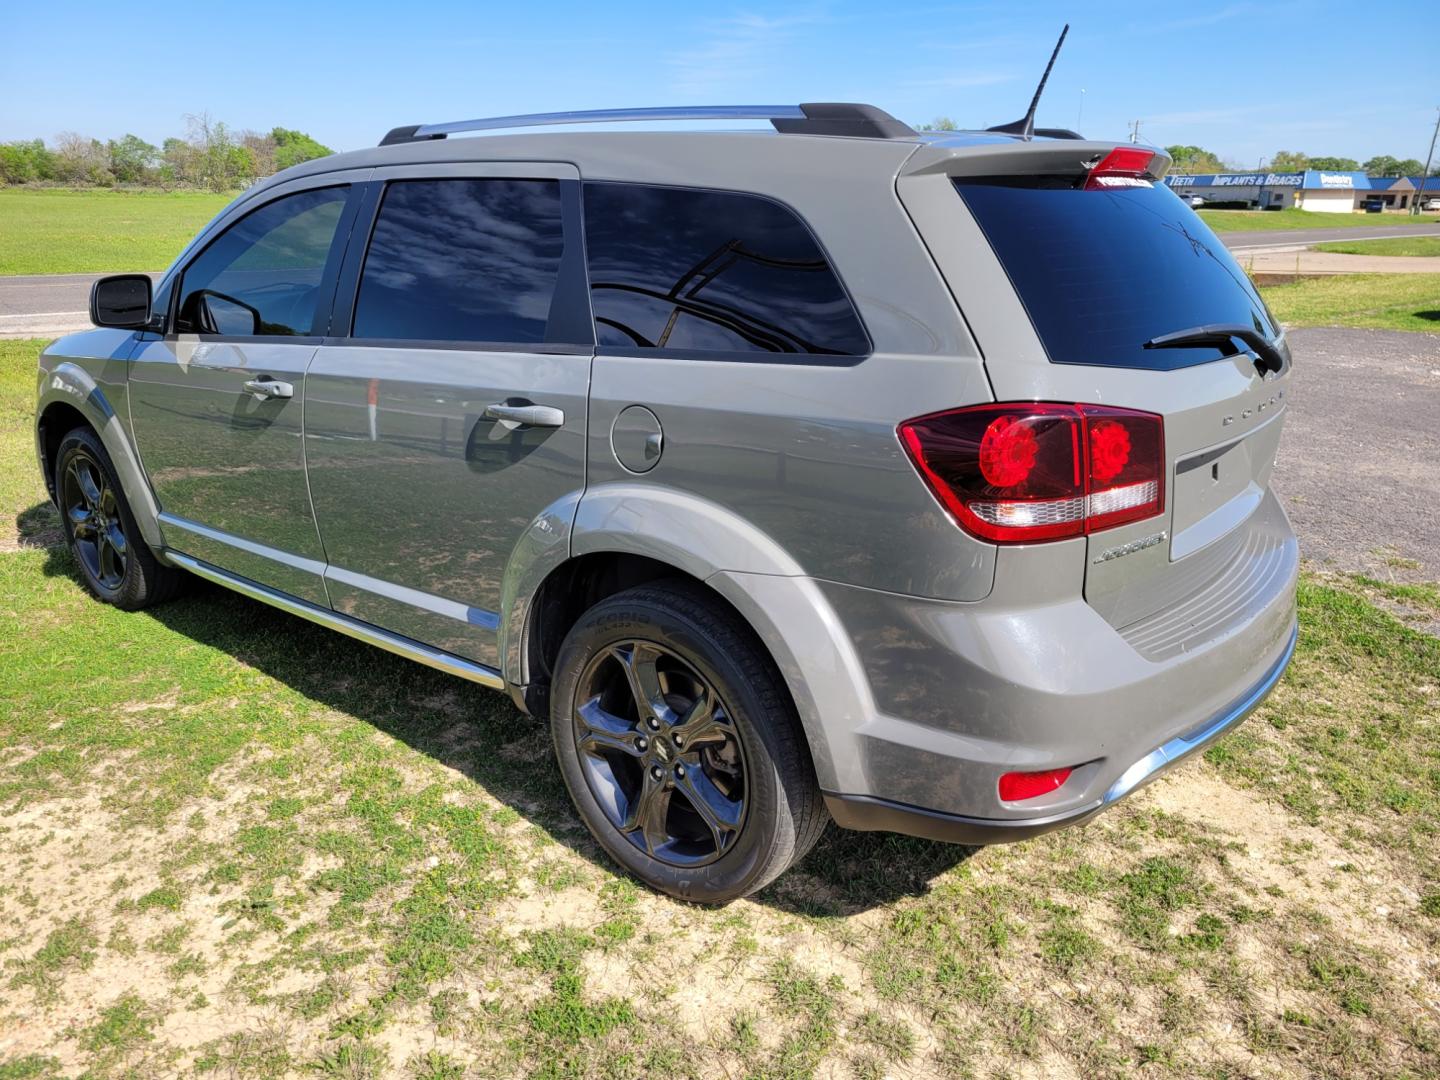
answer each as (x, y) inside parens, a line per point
(631, 535)
(70, 398)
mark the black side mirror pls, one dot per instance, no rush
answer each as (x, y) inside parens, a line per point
(121, 301)
(221, 314)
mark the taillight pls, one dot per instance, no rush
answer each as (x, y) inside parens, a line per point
(1018, 786)
(1125, 166)
(1026, 472)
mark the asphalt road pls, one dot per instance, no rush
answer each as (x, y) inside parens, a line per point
(1241, 241)
(1359, 462)
(45, 305)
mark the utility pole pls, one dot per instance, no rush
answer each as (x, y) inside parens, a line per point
(1135, 132)
(1419, 199)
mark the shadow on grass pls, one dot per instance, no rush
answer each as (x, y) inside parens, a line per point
(1428, 316)
(480, 734)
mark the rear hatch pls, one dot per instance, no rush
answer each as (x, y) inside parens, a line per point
(1076, 281)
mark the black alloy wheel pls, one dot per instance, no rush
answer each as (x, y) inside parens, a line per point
(661, 756)
(92, 514)
(680, 745)
(116, 564)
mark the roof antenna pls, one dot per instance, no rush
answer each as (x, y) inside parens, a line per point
(1025, 127)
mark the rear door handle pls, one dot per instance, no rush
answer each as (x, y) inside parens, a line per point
(527, 415)
(266, 387)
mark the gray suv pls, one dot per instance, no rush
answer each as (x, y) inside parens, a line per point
(916, 481)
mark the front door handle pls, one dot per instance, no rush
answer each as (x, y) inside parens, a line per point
(266, 387)
(526, 415)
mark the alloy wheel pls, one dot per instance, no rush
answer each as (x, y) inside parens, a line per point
(92, 510)
(660, 753)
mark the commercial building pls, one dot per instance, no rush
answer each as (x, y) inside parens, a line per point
(1314, 189)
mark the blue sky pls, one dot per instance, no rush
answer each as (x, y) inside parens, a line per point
(1242, 79)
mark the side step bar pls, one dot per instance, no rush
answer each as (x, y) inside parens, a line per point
(333, 620)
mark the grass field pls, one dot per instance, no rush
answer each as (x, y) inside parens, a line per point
(1223, 221)
(1391, 245)
(54, 231)
(233, 844)
(1373, 301)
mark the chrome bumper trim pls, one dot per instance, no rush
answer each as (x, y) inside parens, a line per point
(1182, 746)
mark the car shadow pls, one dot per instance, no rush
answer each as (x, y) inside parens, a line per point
(480, 734)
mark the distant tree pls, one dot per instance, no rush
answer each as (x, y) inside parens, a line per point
(293, 147)
(1289, 161)
(81, 160)
(176, 162)
(261, 149)
(1194, 159)
(1408, 167)
(940, 123)
(218, 162)
(1335, 164)
(132, 159)
(25, 162)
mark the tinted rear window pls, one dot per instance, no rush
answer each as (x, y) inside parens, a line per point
(462, 260)
(1103, 272)
(687, 269)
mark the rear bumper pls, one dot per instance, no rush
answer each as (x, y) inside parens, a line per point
(914, 708)
(869, 813)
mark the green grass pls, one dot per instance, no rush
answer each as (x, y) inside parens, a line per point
(1390, 245)
(55, 231)
(1223, 221)
(1370, 301)
(235, 844)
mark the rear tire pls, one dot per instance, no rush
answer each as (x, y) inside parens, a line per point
(680, 746)
(116, 564)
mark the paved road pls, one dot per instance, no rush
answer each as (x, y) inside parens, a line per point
(1295, 238)
(45, 305)
(1359, 462)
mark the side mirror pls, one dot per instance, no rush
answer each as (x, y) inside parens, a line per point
(221, 314)
(121, 301)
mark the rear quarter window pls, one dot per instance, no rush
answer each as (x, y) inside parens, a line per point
(692, 270)
(1102, 272)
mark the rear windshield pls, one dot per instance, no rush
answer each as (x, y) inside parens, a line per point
(1103, 272)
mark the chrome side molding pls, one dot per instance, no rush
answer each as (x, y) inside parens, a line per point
(333, 620)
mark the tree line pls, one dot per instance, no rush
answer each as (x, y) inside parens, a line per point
(1196, 159)
(210, 156)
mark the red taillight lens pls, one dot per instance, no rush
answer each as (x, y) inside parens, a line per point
(1017, 473)
(1017, 786)
(1125, 166)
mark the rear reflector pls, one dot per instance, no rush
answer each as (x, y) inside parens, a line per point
(1027, 472)
(1018, 786)
(1125, 166)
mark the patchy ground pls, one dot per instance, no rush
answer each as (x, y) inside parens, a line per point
(245, 847)
(235, 845)
(1359, 463)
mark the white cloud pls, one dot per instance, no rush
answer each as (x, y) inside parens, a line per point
(734, 52)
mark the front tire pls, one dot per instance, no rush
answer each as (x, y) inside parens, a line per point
(115, 563)
(680, 746)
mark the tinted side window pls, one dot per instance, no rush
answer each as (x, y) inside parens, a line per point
(262, 275)
(462, 260)
(681, 268)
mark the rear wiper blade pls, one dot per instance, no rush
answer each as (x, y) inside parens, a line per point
(1223, 336)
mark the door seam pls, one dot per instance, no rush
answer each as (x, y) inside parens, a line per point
(305, 470)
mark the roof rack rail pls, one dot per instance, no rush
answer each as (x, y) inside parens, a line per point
(813, 118)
